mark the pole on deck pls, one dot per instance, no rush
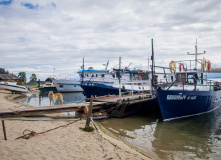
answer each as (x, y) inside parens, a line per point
(119, 77)
(152, 67)
(89, 111)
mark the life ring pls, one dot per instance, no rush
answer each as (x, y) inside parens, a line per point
(172, 64)
(181, 67)
(204, 64)
(112, 72)
(208, 66)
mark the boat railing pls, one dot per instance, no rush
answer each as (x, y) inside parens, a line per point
(189, 64)
(169, 79)
(209, 84)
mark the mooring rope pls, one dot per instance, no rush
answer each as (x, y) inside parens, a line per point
(33, 133)
(111, 113)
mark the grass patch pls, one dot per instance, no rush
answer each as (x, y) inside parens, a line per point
(88, 129)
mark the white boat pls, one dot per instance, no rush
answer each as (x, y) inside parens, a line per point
(13, 87)
(67, 86)
(48, 86)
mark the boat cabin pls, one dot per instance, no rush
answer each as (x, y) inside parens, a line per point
(191, 77)
(113, 76)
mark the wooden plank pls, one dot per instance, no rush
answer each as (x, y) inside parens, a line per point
(47, 109)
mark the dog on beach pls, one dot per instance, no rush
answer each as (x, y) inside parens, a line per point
(53, 97)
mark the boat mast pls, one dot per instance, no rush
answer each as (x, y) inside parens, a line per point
(196, 60)
(119, 77)
(83, 72)
(107, 65)
(152, 67)
(119, 69)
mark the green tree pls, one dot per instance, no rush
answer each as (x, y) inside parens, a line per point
(22, 76)
(33, 78)
(3, 71)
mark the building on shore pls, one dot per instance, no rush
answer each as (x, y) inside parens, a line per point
(215, 70)
(9, 78)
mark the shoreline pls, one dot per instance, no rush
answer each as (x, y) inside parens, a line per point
(63, 143)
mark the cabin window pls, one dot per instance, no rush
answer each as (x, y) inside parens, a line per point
(113, 75)
(96, 75)
(190, 78)
(202, 78)
(102, 75)
(118, 75)
(181, 77)
(61, 85)
(92, 75)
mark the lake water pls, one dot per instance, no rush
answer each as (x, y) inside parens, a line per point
(191, 138)
(41, 99)
(197, 137)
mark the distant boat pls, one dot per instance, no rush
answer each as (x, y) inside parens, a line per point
(67, 86)
(48, 86)
(185, 91)
(13, 87)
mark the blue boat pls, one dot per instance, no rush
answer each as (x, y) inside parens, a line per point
(105, 82)
(185, 91)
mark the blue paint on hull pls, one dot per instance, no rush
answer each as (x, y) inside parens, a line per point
(178, 104)
(100, 89)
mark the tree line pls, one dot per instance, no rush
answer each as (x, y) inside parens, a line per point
(21, 75)
(3, 71)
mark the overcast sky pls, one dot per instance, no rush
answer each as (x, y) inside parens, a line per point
(37, 36)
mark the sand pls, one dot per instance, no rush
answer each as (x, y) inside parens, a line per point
(68, 142)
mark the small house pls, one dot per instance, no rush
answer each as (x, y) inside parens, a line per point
(9, 78)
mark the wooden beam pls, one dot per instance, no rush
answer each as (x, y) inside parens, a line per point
(46, 110)
(89, 111)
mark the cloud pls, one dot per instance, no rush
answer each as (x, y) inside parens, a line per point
(58, 34)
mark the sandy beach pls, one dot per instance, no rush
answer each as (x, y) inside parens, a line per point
(68, 142)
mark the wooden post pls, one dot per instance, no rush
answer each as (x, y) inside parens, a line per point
(89, 111)
(4, 131)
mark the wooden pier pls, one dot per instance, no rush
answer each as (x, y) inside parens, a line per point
(127, 105)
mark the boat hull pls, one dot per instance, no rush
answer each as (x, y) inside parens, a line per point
(176, 104)
(13, 87)
(66, 86)
(97, 89)
(47, 89)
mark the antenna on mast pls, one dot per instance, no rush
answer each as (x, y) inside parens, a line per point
(106, 65)
(196, 55)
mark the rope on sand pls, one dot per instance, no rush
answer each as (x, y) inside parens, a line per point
(33, 133)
